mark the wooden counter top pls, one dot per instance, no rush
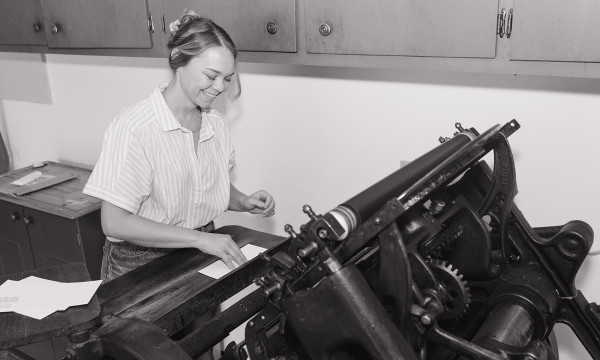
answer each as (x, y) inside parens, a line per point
(64, 199)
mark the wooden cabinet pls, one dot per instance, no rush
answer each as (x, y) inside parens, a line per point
(96, 24)
(22, 23)
(258, 25)
(15, 249)
(548, 37)
(50, 226)
(554, 30)
(460, 28)
(75, 24)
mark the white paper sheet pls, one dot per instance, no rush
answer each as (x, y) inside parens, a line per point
(37, 298)
(219, 269)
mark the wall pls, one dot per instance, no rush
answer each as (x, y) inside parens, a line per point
(318, 136)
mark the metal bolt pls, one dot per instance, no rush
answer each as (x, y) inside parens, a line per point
(438, 206)
(426, 319)
(323, 233)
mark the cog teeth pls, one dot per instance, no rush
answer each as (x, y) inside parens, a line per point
(450, 278)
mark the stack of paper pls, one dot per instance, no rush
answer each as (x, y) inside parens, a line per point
(219, 269)
(38, 298)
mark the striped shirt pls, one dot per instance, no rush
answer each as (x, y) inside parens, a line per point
(149, 167)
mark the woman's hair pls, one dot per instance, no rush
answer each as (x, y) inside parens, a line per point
(195, 34)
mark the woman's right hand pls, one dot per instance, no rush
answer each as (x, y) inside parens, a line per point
(223, 246)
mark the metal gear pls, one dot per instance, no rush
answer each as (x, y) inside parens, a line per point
(457, 296)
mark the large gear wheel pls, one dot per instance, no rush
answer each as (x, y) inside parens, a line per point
(456, 297)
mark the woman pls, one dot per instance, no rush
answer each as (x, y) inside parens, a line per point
(163, 172)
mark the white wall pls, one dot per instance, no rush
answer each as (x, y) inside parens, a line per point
(318, 136)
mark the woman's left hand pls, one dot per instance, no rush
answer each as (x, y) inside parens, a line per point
(261, 202)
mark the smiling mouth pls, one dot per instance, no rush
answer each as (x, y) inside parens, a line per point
(209, 95)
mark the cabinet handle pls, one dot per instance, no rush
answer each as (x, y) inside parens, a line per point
(271, 28)
(54, 28)
(37, 27)
(14, 216)
(325, 29)
(501, 23)
(28, 220)
(509, 25)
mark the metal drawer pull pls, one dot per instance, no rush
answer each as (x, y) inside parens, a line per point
(325, 29)
(271, 28)
(509, 25)
(14, 217)
(501, 23)
(28, 220)
(37, 27)
(54, 28)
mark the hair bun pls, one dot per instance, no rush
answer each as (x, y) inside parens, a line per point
(188, 15)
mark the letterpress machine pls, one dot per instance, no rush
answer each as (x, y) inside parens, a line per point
(432, 262)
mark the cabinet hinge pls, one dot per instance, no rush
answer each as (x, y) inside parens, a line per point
(150, 23)
(504, 23)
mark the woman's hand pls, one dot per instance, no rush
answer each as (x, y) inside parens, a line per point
(123, 225)
(261, 202)
(223, 246)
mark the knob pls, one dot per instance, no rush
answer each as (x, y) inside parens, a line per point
(14, 217)
(309, 211)
(28, 220)
(37, 27)
(290, 230)
(308, 250)
(325, 29)
(273, 289)
(271, 28)
(54, 28)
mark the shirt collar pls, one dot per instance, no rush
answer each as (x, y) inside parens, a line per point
(167, 121)
(165, 118)
(206, 131)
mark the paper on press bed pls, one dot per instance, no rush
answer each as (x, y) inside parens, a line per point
(37, 298)
(218, 269)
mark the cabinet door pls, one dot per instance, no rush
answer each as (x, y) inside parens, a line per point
(15, 251)
(54, 239)
(445, 28)
(257, 25)
(555, 30)
(96, 23)
(21, 23)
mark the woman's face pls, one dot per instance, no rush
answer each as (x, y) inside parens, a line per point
(207, 75)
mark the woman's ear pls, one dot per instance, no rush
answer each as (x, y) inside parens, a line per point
(177, 73)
